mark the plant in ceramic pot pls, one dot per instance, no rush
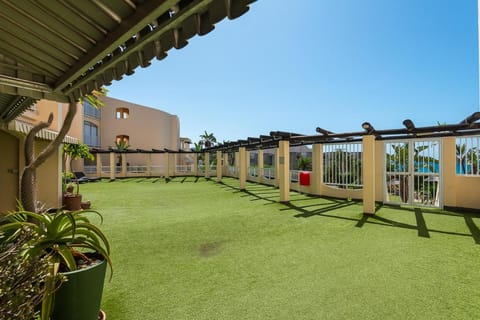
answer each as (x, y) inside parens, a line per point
(305, 163)
(79, 250)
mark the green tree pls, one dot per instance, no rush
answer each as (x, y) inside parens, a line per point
(398, 162)
(208, 139)
(461, 154)
(122, 146)
(76, 151)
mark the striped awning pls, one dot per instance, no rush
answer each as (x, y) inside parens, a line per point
(45, 134)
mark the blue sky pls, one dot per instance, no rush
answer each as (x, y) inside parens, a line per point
(296, 65)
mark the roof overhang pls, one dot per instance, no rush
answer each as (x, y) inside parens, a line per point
(45, 134)
(62, 50)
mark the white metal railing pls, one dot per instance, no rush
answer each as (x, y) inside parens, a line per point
(253, 171)
(269, 173)
(157, 170)
(90, 169)
(130, 169)
(294, 175)
(467, 153)
(413, 172)
(184, 168)
(342, 164)
(232, 170)
(136, 169)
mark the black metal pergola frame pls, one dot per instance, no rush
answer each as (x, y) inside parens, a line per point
(468, 126)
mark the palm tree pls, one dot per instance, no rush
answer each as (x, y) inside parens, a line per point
(461, 154)
(121, 145)
(398, 162)
(197, 146)
(472, 159)
(208, 139)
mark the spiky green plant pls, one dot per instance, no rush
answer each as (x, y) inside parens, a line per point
(63, 235)
(23, 280)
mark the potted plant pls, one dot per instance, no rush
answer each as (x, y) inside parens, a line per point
(304, 163)
(305, 166)
(73, 201)
(80, 252)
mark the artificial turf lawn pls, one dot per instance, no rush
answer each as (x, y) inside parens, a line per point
(196, 249)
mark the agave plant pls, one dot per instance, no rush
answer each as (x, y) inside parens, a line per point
(24, 281)
(65, 236)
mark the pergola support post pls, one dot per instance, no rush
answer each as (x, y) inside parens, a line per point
(167, 165)
(149, 164)
(260, 165)
(207, 165)
(98, 168)
(237, 163)
(317, 168)
(284, 170)
(124, 164)
(113, 166)
(219, 166)
(242, 167)
(225, 164)
(369, 172)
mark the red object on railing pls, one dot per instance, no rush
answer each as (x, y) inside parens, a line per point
(304, 178)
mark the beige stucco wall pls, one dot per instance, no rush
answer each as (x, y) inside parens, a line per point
(146, 127)
(8, 171)
(458, 190)
(49, 178)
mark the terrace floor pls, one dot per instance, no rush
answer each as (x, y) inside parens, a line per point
(197, 249)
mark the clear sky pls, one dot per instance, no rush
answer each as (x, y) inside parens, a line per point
(296, 65)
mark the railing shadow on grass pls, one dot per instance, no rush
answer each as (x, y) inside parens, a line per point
(333, 204)
(421, 225)
(253, 193)
(184, 179)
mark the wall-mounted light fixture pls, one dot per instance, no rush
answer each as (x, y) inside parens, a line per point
(409, 125)
(368, 127)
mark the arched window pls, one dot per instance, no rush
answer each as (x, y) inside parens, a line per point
(122, 113)
(123, 139)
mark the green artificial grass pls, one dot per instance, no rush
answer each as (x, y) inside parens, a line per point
(197, 249)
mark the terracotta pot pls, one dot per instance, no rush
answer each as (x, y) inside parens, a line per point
(102, 315)
(86, 204)
(72, 202)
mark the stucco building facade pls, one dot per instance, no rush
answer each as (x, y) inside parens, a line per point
(134, 125)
